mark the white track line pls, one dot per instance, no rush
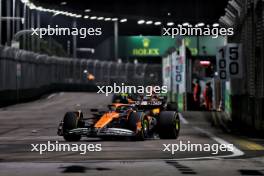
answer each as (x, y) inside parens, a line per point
(182, 119)
(51, 96)
(236, 151)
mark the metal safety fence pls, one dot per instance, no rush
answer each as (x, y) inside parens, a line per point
(24, 70)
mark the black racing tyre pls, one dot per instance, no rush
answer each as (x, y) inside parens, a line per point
(70, 122)
(133, 119)
(168, 125)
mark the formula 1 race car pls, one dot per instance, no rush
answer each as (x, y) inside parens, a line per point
(140, 120)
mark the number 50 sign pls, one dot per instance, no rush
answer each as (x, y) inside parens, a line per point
(229, 61)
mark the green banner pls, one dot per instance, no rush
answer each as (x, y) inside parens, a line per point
(227, 96)
(149, 46)
(180, 102)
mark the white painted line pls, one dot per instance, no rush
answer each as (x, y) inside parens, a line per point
(50, 96)
(182, 119)
(236, 151)
(34, 138)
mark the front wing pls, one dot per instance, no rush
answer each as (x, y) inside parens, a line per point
(93, 132)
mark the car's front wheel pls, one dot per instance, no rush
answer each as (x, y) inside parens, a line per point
(136, 118)
(70, 122)
(169, 125)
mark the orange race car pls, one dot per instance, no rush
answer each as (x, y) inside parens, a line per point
(139, 120)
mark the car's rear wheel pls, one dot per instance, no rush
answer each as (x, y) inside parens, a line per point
(70, 122)
(133, 120)
(168, 125)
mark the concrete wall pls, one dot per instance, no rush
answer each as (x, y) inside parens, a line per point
(247, 97)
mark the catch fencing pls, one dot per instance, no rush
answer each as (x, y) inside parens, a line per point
(24, 70)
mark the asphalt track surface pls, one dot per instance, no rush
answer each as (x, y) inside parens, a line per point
(36, 123)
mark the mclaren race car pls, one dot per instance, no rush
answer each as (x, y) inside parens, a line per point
(138, 120)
